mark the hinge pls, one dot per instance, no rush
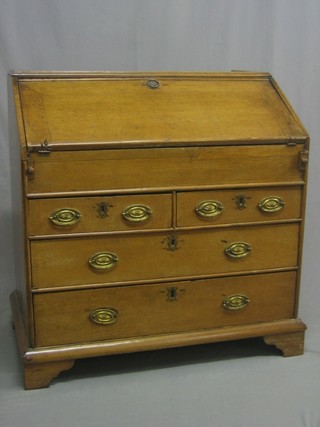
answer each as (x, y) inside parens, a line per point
(303, 160)
(44, 148)
(30, 168)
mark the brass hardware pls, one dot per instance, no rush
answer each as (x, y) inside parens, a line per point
(44, 148)
(30, 168)
(303, 160)
(209, 208)
(153, 84)
(103, 260)
(102, 209)
(104, 316)
(172, 243)
(172, 294)
(241, 201)
(235, 302)
(137, 213)
(65, 217)
(238, 250)
(271, 204)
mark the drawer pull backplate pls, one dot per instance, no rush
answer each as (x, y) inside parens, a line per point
(137, 213)
(104, 316)
(65, 217)
(271, 204)
(238, 250)
(103, 260)
(235, 302)
(209, 208)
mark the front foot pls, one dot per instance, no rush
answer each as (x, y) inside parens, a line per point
(40, 375)
(291, 344)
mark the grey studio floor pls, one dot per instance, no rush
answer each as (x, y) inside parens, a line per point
(240, 383)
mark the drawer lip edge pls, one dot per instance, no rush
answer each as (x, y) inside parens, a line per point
(145, 282)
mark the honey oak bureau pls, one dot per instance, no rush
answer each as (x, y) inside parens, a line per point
(153, 210)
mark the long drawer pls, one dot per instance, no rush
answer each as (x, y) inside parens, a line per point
(110, 259)
(131, 311)
(163, 167)
(99, 214)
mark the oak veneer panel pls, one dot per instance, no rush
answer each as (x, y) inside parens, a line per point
(91, 221)
(64, 317)
(171, 168)
(64, 262)
(124, 109)
(231, 212)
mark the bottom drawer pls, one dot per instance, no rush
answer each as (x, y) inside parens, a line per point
(132, 311)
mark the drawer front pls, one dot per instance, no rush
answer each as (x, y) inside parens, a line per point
(163, 168)
(110, 259)
(237, 206)
(99, 214)
(131, 311)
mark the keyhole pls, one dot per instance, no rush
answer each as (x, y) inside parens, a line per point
(172, 294)
(172, 243)
(241, 201)
(102, 209)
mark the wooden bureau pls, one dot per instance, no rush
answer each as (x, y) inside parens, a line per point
(153, 210)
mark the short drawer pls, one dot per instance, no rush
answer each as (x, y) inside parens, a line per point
(99, 214)
(200, 208)
(131, 311)
(174, 168)
(139, 257)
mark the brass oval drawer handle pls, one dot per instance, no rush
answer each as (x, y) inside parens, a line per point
(238, 250)
(104, 316)
(103, 260)
(65, 217)
(271, 204)
(153, 84)
(235, 302)
(137, 213)
(209, 208)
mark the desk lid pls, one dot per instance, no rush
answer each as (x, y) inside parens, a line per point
(92, 110)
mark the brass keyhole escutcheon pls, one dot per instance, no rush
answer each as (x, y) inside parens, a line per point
(171, 243)
(103, 209)
(172, 294)
(241, 201)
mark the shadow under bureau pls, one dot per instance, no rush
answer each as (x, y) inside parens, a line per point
(153, 210)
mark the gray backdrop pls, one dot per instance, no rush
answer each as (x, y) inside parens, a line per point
(235, 384)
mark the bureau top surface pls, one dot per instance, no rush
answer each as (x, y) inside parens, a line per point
(96, 110)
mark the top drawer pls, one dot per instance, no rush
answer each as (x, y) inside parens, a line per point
(99, 214)
(165, 168)
(201, 208)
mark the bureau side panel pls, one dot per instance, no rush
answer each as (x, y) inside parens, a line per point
(17, 154)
